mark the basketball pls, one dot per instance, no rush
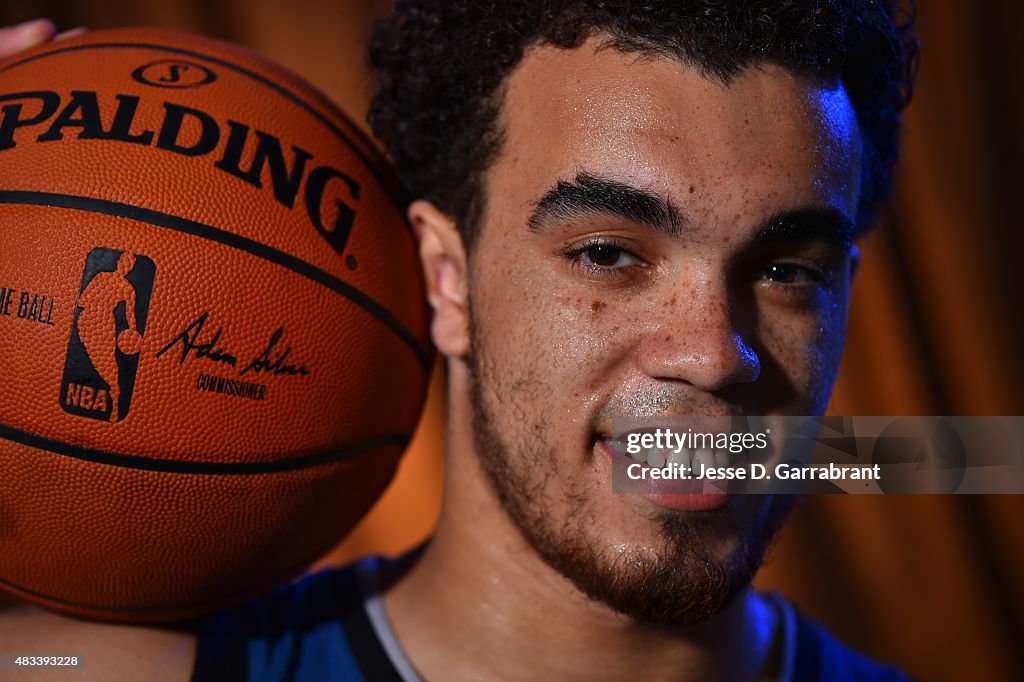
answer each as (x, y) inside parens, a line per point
(212, 321)
(129, 342)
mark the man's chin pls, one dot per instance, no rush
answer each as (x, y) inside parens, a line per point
(678, 568)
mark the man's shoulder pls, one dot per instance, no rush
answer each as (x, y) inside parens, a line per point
(315, 628)
(314, 600)
(815, 654)
(108, 651)
(306, 630)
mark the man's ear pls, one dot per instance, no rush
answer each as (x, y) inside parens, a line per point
(445, 268)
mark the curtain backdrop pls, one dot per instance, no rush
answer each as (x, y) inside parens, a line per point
(932, 583)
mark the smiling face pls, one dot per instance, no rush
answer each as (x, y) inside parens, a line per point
(654, 244)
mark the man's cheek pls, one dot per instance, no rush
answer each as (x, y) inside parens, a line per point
(802, 355)
(831, 336)
(828, 353)
(822, 357)
(592, 338)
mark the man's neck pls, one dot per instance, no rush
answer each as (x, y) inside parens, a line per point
(481, 604)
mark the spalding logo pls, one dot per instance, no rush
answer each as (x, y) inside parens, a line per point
(174, 73)
(230, 143)
(106, 336)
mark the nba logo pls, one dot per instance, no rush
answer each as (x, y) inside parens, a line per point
(106, 337)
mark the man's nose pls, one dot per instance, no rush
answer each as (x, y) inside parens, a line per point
(697, 340)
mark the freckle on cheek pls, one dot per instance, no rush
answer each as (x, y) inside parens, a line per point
(597, 306)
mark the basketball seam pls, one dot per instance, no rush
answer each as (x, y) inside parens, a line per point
(214, 234)
(177, 466)
(376, 164)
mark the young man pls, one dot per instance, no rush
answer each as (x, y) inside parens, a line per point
(624, 210)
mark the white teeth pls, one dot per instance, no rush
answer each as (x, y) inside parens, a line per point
(656, 458)
(620, 446)
(722, 458)
(681, 458)
(703, 459)
(617, 444)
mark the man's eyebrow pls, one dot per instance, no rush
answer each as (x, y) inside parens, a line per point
(588, 194)
(807, 224)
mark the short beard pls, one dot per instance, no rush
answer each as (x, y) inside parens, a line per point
(681, 584)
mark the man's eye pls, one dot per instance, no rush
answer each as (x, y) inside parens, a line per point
(789, 273)
(605, 256)
(604, 259)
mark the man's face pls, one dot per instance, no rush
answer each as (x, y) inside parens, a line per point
(654, 244)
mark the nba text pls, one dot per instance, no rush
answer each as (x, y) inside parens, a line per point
(87, 398)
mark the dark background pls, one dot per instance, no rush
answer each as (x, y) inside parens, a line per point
(933, 583)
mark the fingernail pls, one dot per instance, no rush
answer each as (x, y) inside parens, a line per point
(34, 25)
(71, 33)
(29, 33)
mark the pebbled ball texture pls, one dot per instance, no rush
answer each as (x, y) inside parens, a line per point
(212, 325)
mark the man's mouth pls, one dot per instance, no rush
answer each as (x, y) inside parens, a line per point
(688, 490)
(699, 458)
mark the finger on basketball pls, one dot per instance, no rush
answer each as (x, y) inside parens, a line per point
(14, 39)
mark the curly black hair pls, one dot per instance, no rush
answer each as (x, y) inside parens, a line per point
(442, 63)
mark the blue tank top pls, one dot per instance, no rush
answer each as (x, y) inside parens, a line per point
(331, 627)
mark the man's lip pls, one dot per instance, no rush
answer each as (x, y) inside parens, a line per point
(715, 430)
(681, 456)
(704, 496)
(619, 425)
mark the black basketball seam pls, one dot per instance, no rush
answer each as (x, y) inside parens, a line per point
(376, 164)
(177, 466)
(186, 226)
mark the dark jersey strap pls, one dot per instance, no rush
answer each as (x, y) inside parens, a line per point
(374, 661)
(220, 651)
(314, 629)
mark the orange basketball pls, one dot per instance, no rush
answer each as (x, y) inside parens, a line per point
(212, 324)
(129, 342)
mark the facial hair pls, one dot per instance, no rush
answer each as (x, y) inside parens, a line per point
(679, 583)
